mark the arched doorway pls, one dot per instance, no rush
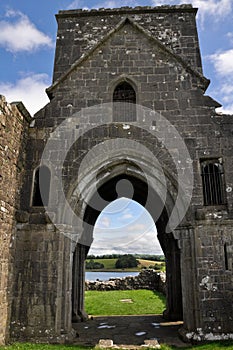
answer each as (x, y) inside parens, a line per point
(109, 191)
(125, 245)
(125, 227)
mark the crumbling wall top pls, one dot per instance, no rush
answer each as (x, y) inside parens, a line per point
(127, 9)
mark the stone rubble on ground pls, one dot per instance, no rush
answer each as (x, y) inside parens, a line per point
(108, 343)
(147, 279)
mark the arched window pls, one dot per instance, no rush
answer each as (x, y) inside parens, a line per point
(41, 187)
(213, 182)
(124, 92)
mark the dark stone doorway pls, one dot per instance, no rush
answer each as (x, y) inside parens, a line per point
(109, 191)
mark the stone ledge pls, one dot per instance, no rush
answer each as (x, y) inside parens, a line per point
(126, 9)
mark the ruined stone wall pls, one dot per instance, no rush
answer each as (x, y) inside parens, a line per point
(215, 275)
(147, 279)
(41, 285)
(13, 127)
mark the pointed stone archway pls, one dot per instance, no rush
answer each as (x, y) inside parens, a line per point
(159, 212)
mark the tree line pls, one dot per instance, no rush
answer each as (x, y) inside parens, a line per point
(137, 256)
(124, 261)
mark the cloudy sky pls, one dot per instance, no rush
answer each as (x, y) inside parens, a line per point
(125, 227)
(27, 43)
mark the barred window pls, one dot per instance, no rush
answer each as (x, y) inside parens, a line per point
(41, 187)
(213, 182)
(124, 92)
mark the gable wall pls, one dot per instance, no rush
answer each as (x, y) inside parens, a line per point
(78, 31)
(162, 84)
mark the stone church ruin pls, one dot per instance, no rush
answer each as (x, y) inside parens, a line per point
(128, 116)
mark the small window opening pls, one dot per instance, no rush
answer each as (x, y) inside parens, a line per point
(41, 187)
(226, 257)
(212, 181)
(124, 112)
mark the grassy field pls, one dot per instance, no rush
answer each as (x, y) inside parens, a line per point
(227, 345)
(147, 263)
(109, 265)
(124, 302)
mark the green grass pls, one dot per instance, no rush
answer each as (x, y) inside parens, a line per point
(224, 345)
(227, 345)
(108, 263)
(109, 302)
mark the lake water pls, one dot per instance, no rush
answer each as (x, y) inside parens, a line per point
(105, 276)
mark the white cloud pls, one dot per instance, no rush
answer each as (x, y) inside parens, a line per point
(137, 227)
(104, 4)
(119, 3)
(229, 35)
(227, 102)
(141, 244)
(216, 8)
(223, 62)
(127, 216)
(227, 90)
(164, 2)
(110, 4)
(223, 65)
(137, 237)
(30, 89)
(77, 4)
(17, 34)
(226, 109)
(103, 222)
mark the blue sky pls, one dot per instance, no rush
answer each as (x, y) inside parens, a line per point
(27, 44)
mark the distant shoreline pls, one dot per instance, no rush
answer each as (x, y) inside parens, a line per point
(109, 265)
(113, 270)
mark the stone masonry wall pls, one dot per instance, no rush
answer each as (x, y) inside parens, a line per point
(147, 279)
(13, 122)
(80, 30)
(175, 90)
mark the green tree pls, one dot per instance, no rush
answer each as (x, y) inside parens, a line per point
(91, 265)
(126, 260)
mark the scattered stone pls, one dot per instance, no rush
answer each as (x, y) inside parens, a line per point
(139, 334)
(108, 343)
(105, 343)
(105, 326)
(152, 343)
(155, 325)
